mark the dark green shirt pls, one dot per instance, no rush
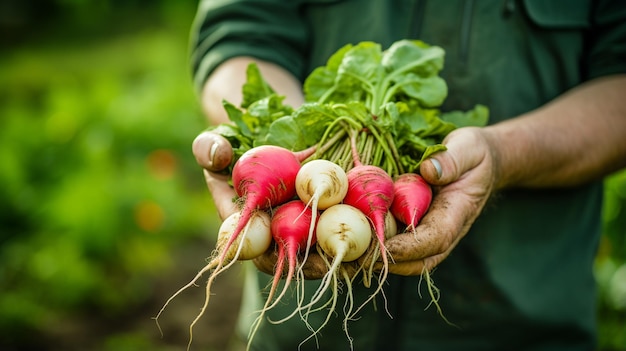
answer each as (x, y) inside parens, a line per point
(522, 277)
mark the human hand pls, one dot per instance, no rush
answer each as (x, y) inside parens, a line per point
(214, 153)
(462, 185)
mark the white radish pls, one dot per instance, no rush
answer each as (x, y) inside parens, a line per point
(320, 184)
(256, 238)
(343, 234)
(391, 225)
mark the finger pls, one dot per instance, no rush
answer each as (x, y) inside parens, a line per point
(212, 151)
(266, 263)
(461, 155)
(418, 267)
(314, 268)
(222, 193)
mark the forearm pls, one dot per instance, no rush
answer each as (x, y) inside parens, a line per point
(226, 81)
(579, 137)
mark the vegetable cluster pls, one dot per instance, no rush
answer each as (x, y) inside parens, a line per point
(370, 118)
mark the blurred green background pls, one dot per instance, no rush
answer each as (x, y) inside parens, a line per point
(103, 211)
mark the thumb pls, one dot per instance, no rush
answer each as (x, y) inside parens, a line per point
(463, 152)
(212, 151)
(438, 169)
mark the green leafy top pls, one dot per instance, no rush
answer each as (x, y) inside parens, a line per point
(388, 99)
(407, 70)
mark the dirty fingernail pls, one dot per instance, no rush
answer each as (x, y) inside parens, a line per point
(437, 166)
(212, 152)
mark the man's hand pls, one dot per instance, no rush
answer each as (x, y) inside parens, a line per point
(463, 178)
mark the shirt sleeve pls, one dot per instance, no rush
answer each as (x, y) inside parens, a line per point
(607, 39)
(270, 30)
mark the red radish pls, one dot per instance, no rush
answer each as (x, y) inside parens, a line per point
(412, 197)
(263, 177)
(370, 189)
(290, 225)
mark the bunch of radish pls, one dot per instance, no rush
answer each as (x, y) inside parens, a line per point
(301, 204)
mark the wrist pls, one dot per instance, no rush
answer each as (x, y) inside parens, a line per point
(496, 147)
